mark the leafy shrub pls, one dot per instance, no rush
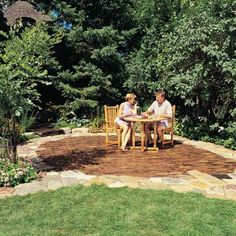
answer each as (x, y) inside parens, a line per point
(97, 125)
(186, 127)
(26, 121)
(201, 130)
(13, 174)
(72, 122)
(231, 132)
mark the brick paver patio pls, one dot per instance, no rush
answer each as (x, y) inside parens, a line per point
(89, 155)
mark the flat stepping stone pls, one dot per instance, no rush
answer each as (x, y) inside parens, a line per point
(55, 184)
(67, 181)
(206, 178)
(116, 185)
(28, 188)
(49, 132)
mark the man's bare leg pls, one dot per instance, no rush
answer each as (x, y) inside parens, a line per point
(160, 127)
(148, 127)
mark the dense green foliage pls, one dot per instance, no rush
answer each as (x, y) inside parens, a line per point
(24, 58)
(108, 48)
(99, 210)
(95, 49)
(192, 56)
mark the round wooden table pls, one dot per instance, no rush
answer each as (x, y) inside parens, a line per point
(143, 121)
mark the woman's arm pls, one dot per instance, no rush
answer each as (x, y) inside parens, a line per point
(121, 110)
(135, 109)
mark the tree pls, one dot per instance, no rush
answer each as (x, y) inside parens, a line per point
(196, 62)
(23, 59)
(92, 52)
(153, 18)
(192, 56)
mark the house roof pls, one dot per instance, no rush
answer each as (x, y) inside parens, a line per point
(22, 9)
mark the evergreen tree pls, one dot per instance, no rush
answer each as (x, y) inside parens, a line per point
(93, 51)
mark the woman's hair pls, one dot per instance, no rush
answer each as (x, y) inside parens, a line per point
(130, 96)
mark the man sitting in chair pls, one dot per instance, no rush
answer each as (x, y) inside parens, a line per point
(159, 108)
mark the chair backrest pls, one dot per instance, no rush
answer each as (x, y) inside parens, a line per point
(173, 115)
(111, 112)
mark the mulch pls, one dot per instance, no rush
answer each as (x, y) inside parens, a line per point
(90, 155)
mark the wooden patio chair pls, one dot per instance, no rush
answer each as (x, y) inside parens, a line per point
(169, 130)
(111, 112)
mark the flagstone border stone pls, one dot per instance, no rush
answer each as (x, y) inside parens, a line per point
(197, 181)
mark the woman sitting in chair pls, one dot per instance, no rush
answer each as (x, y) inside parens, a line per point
(127, 109)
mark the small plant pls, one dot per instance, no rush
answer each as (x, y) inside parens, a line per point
(74, 122)
(28, 137)
(13, 174)
(97, 125)
(26, 121)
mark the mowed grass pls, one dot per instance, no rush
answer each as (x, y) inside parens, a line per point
(98, 210)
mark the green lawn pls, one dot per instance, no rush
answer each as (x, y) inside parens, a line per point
(98, 210)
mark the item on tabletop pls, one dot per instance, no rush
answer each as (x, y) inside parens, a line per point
(144, 115)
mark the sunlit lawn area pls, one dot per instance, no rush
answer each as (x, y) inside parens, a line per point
(98, 210)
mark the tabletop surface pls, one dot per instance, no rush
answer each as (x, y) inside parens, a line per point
(141, 119)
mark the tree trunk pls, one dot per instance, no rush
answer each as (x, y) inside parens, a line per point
(14, 140)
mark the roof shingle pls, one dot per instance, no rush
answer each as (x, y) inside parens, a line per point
(22, 9)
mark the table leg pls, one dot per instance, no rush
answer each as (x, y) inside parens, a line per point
(155, 135)
(142, 136)
(133, 135)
